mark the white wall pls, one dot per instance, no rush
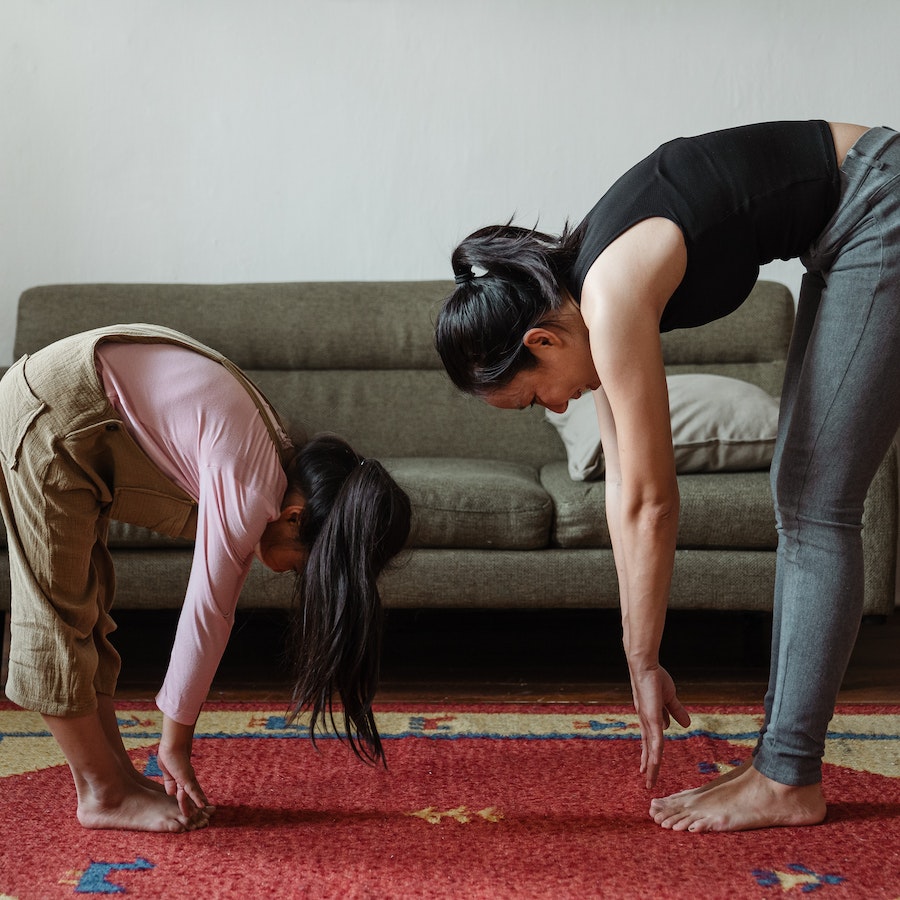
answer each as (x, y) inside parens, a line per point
(265, 140)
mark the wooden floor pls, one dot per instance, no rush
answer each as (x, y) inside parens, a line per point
(516, 657)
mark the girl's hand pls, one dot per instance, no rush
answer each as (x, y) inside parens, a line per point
(655, 701)
(179, 778)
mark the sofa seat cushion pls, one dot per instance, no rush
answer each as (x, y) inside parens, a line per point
(123, 536)
(474, 503)
(128, 537)
(719, 510)
(457, 503)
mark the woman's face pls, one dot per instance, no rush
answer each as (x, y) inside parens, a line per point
(564, 370)
(279, 548)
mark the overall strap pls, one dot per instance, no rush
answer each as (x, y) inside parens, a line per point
(273, 421)
(158, 334)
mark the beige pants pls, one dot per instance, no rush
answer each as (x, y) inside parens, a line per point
(68, 465)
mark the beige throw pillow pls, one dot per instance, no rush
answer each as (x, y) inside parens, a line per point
(718, 424)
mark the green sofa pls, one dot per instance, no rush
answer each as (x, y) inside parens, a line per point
(498, 522)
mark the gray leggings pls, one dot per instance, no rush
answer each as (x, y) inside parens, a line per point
(840, 410)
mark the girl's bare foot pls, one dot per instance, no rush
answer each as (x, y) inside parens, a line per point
(135, 808)
(745, 801)
(111, 793)
(145, 782)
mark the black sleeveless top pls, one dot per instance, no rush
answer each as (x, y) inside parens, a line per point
(742, 197)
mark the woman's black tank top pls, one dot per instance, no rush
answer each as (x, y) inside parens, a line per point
(742, 197)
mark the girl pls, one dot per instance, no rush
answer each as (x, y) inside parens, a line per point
(145, 425)
(677, 242)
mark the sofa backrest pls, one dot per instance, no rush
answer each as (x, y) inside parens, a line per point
(357, 358)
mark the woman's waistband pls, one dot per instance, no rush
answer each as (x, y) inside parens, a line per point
(873, 144)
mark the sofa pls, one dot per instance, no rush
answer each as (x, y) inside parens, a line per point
(498, 520)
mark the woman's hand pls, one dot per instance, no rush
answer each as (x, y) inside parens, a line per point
(656, 703)
(174, 759)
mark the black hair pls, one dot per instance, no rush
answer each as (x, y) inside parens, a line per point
(355, 521)
(480, 326)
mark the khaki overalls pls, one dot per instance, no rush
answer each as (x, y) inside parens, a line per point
(68, 466)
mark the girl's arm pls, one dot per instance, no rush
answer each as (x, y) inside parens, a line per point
(174, 759)
(230, 519)
(223, 553)
(623, 298)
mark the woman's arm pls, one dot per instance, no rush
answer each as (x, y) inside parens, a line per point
(613, 477)
(624, 295)
(642, 621)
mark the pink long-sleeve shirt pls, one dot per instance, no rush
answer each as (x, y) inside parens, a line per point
(202, 429)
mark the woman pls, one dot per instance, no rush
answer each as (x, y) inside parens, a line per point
(145, 425)
(677, 242)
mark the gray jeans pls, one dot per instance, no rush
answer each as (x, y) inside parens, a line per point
(840, 410)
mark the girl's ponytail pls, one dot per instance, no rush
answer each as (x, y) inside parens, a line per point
(356, 520)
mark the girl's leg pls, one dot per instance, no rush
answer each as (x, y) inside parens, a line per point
(108, 794)
(62, 587)
(109, 722)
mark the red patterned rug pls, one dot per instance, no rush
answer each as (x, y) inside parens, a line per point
(478, 802)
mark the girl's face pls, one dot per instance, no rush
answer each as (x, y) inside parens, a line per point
(279, 548)
(564, 370)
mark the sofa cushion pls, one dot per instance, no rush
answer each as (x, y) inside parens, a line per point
(721, 510)
(122, 535)
(718, 424)
(474, 503)
(128, 537)
(457, 503)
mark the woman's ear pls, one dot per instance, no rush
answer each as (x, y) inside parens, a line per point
(539, 338)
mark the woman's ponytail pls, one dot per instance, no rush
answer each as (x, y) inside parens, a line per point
(509, 280)
(356, 520)
(521, 256)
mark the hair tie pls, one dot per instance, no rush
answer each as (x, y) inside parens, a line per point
(464, 277)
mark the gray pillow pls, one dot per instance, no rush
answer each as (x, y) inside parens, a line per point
(718, 424)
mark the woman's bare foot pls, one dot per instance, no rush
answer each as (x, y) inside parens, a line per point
(134, 808)
(745, 801)
(712, 783)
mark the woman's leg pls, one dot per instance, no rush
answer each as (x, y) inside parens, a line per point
(807, 309)
(842, 412)
(845, 417)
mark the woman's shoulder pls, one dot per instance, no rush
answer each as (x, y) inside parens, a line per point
(641, 268)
